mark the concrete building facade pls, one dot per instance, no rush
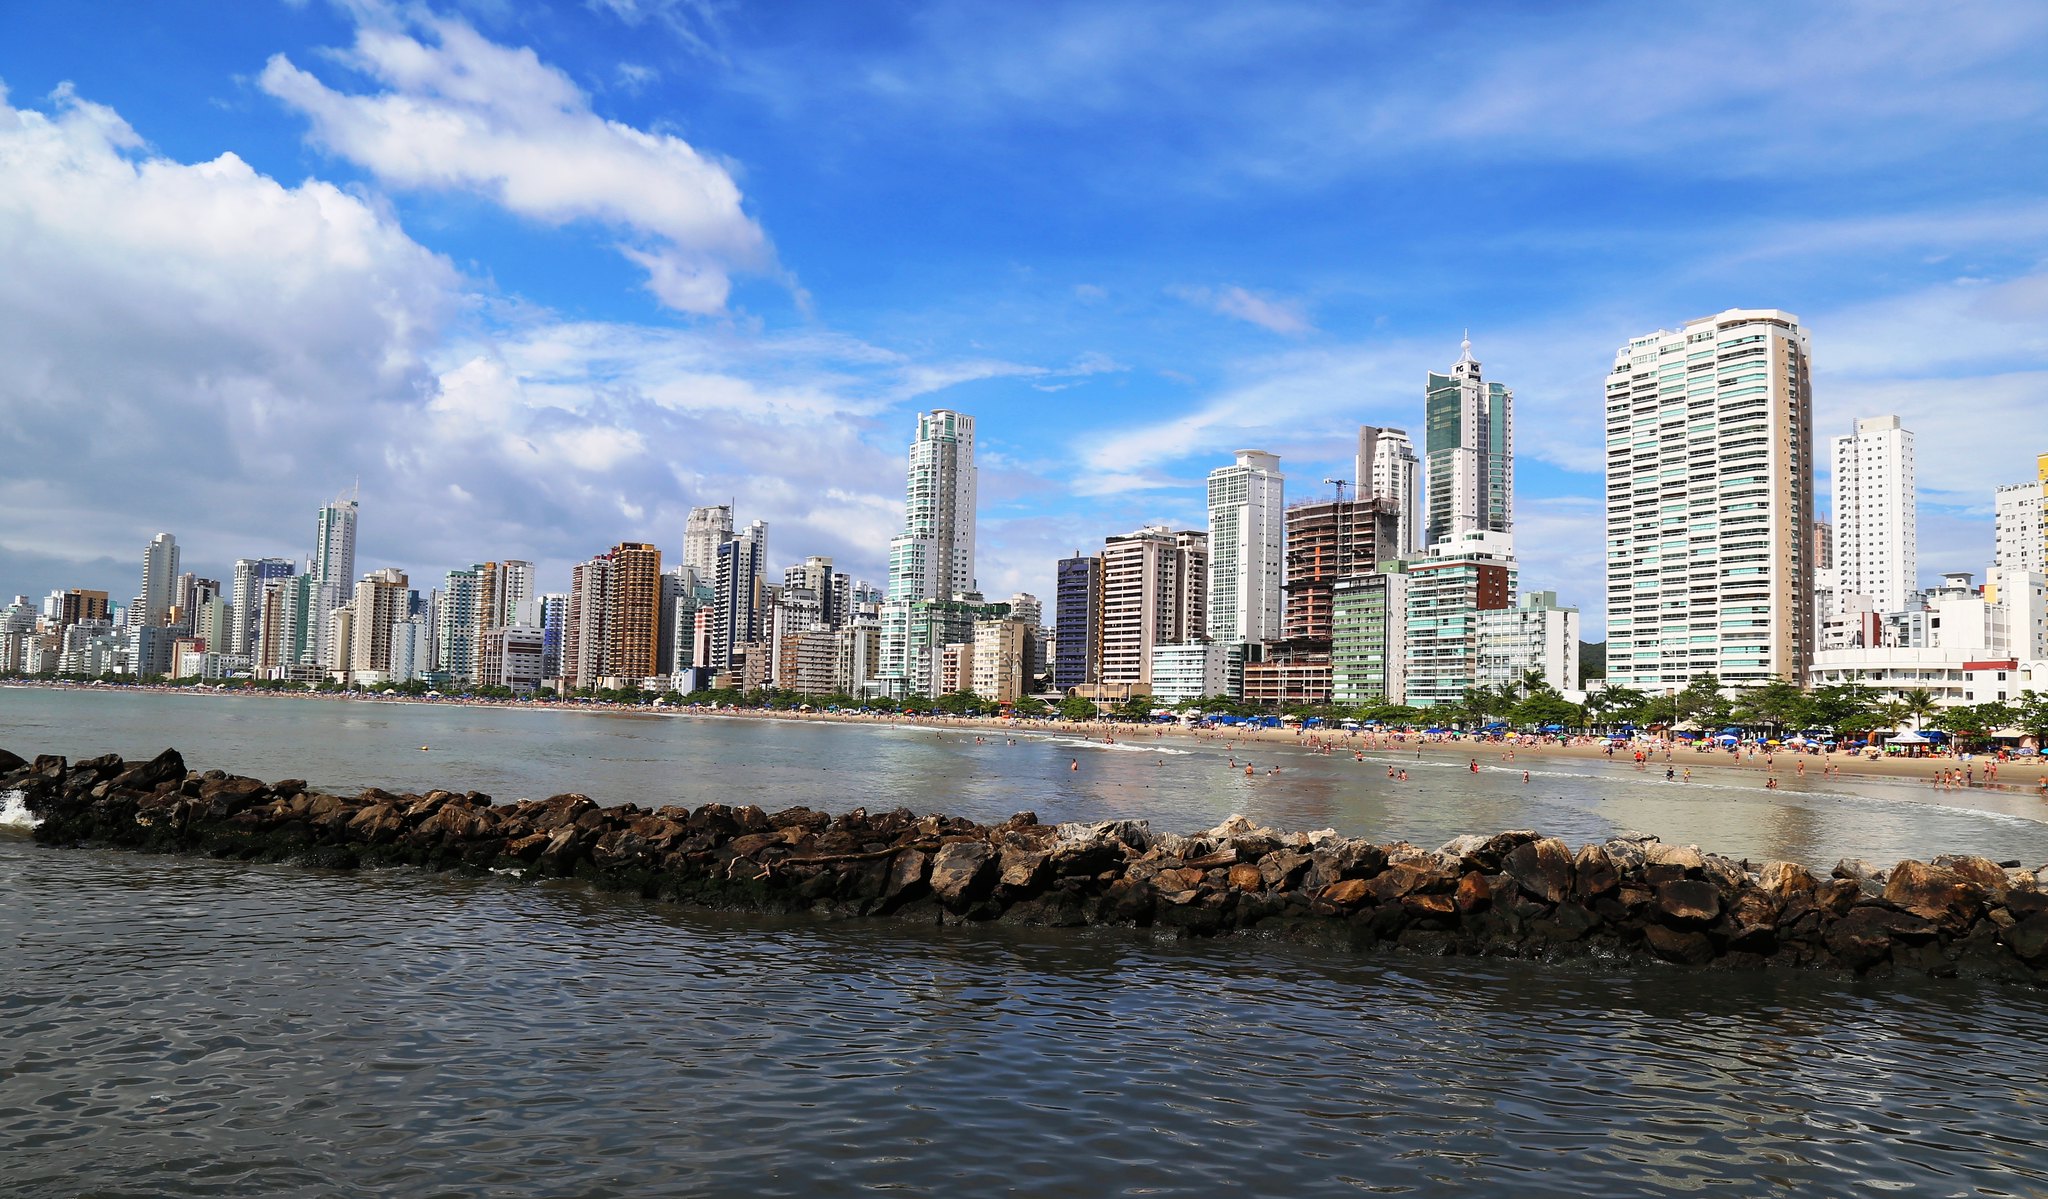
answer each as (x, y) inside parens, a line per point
(1710, 503)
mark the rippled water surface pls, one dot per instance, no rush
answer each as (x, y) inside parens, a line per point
(1179, 785)
(182, 1027)
(198, 1028)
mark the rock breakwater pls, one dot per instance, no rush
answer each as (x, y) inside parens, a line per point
(1511, 894)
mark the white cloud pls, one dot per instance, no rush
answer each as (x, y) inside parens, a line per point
(1267, 312)
(460, 112)
(196, 347)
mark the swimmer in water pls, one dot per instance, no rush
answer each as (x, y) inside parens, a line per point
(1248, 770)
(1074, 765)
(1525, 776)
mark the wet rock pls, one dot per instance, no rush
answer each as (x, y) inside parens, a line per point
(1346, 893)
(1863, 938)
(1678, 945)
(1982, 872)
(9, 763)
(1593, 873)
(1246, 877)
(1474, 893)
(1282, 870)
(1786, 879)
(962, 871)
(1628, 856)
(166, 767)
(1931, 891)
(1687, 903)
(2028, 939)
(1684, 857)
(1541, 868)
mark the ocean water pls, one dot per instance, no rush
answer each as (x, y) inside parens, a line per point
(190, 1027)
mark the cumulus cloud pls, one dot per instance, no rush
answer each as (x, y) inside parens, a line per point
(200, 348)
(460, 112)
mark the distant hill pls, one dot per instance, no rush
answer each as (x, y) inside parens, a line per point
(1592, 660)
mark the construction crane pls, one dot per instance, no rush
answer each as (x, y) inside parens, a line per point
(1343, 536)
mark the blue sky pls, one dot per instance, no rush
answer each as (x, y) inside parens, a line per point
(542, 277)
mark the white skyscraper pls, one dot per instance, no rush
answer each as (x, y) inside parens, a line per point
(933, 557)
(1247, 535)
(932, 560)
(1387, 470)
(706, 530)
(2017, 531)
(1876, 530)
(1710, 503)
(159, 579)
(1469, 445)
(334, 550)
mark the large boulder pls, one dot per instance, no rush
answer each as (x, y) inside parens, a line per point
(1593, 873)
(1541, 868)
(1687, 903)
(166, 767)
(962, 871)
(1786, 879)
(1934, 892)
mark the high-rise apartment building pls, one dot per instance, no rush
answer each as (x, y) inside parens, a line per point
(334, 550)
(1450, 589)
(1469, 447)
(1152, 594)
(706, 530)
(1876, 548)
(380, 604)
(252, 576)
(612, 623)
(79, 606)
(1387, 471)
(1328, 540)
(1077, 613)
(1369, 638)
(159, 579)
(1537, 634)
(1247, 538)
(932, 559)
(737, 610)
(1710, 503)
(2020, 523)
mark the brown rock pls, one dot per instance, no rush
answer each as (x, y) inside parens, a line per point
(962, 871)
(1983, 872)
(1863, 938)
(1678, 945)
(1246, 877)
(1785, 879)
(1935, 892)
(1283, 870)
(1836, 896)
(1687, 902)
(1348, 892)
(906, 873)
(1593, 873)
(1431, 906)
(1397, 880)
(1542, 869)
(2028, 939)
(1685, 857)
(1474, 893)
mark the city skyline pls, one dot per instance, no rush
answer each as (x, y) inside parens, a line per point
(508, 358)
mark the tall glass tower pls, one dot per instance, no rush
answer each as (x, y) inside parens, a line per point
(1469, 448)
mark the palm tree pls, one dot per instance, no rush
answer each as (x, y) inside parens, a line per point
(1533, 681)
(1918, 704)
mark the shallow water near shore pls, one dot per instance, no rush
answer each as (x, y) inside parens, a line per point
(1179, 785)
(189, 1027)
